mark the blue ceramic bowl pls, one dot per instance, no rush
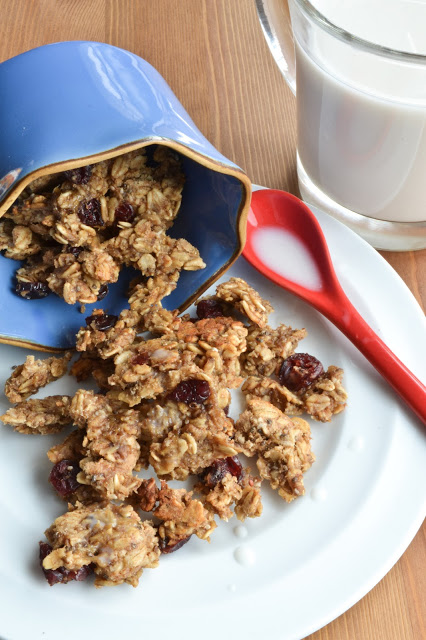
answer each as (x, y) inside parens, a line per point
(69, 104)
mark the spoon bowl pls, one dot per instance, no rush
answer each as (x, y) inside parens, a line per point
(280, 219)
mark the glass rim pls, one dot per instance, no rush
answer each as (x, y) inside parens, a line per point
(350, 38)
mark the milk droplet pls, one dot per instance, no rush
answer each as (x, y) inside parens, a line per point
(232, 588)
(245, 556)
(240, 531)
(356, 444)
(318, 494)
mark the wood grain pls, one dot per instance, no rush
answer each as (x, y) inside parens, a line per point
(213, 55)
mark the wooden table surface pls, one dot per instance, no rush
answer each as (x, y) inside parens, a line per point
(213, 55)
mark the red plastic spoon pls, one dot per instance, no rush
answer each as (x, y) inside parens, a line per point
(295, 227)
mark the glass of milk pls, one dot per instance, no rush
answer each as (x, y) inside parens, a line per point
(358, 69)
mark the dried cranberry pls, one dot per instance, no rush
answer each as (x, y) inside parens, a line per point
(299, 371)
(32, 290)
(63, 575)
(63, 477)
(103, 291)
(53, 576)
(218, 470)
(141, 358)
(124, 212)
(89, 212)
(210, 308)
(75, 251)
(166, 547)
(191, 391)
(102, 321)
(81, 175)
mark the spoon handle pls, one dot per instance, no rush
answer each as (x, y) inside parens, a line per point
(403, 381)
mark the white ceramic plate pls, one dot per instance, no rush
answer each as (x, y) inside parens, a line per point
(300, 565)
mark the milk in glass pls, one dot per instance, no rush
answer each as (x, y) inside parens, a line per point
(362, 122)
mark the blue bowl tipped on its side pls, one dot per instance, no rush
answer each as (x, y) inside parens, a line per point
(74, 103)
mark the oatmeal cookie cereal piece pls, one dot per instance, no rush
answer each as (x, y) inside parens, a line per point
(33, 211)
(216, 345)
(219, 499)
(106, 334)
(327, 396)
(152, 182)
(31, 376)
(79, 278)
(273, 392)
(152, 251)
(66, 459)
(182, 516)
(249, 505)
(111, 449)
(17, 241)
(321, 400)
(267, 347)
(281, 444)
(225, 493)
(244, 298)
(111, 538)
(200, 435)
(158, 320)
(145, 302)
(225, 483)
(148, 369)
(43, 416)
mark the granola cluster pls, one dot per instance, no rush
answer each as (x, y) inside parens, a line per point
(75, 230)
(163, 405)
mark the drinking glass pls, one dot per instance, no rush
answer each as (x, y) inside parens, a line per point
(358, 70)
